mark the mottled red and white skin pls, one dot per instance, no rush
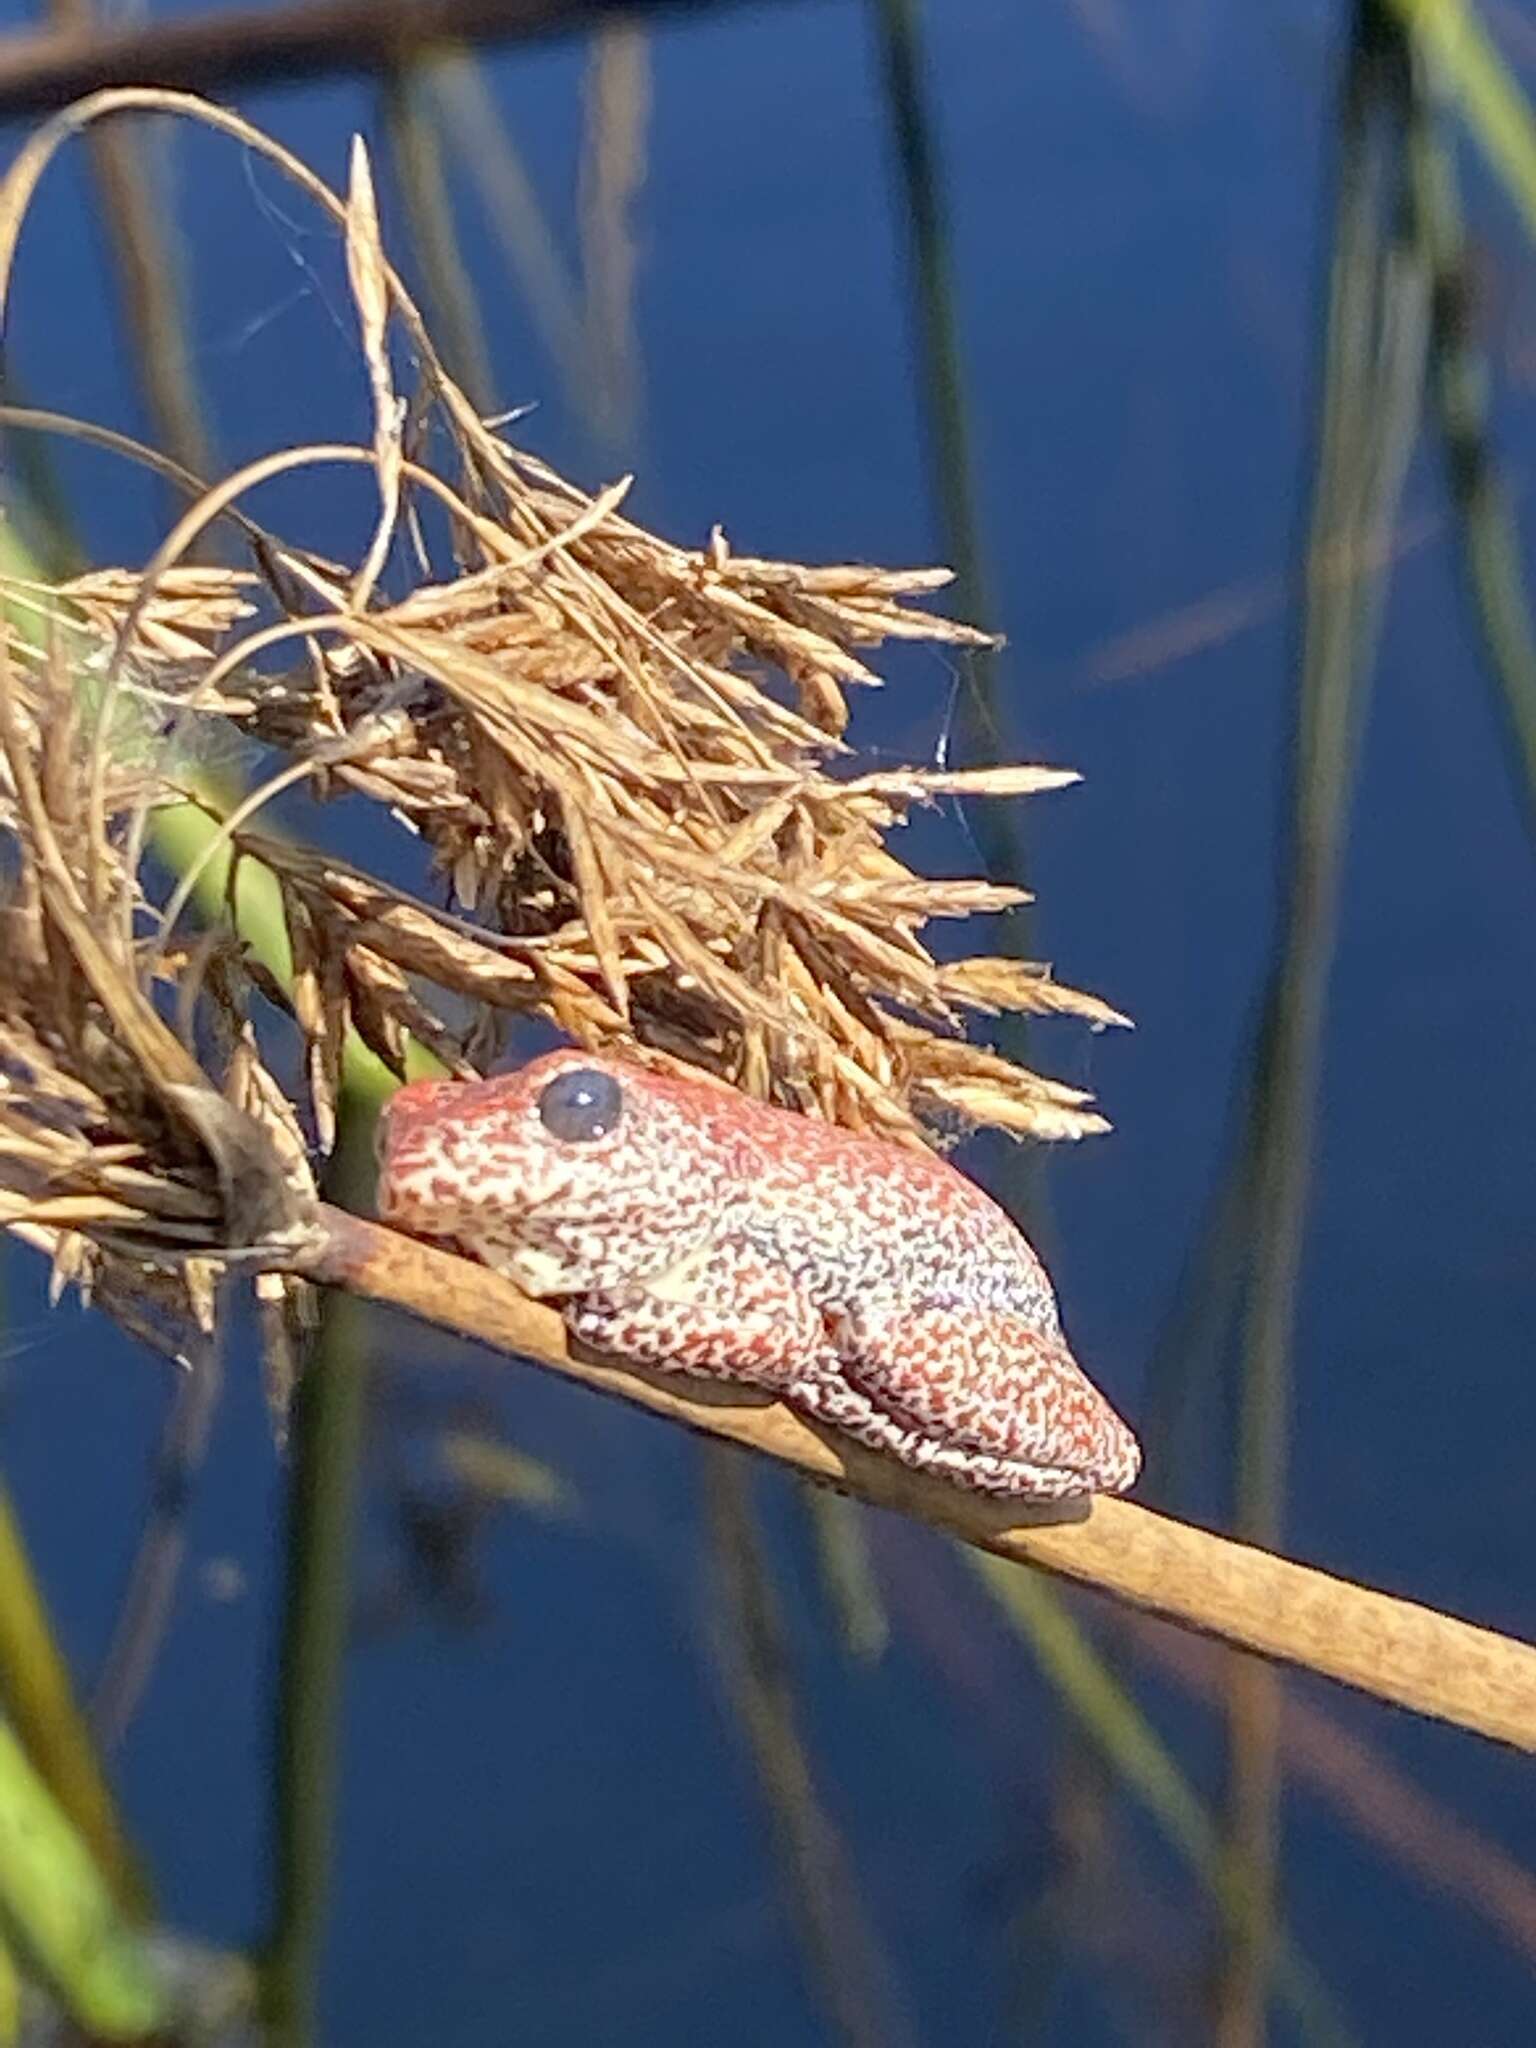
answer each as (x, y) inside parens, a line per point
(682, 1225)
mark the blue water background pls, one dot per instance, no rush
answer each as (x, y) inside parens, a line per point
(550, 1831)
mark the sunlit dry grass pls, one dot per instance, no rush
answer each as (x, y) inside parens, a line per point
(626, 760)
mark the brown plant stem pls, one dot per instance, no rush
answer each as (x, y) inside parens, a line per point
(1394, 1649)
(221, 47)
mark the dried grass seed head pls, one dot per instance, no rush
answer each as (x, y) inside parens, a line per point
(626, 758)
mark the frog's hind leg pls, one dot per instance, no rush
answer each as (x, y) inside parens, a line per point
(983, 1395)
(825, 1395)
(762, 1332)
(984, 1399)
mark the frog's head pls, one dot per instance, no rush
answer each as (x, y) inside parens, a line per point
(575, 1173)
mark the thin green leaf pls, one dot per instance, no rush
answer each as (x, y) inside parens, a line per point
(1496, 111)
(57, 1911)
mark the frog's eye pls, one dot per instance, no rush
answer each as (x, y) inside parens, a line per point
(581, 1104)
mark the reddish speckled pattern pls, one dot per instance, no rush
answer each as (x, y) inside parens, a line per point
(872, 1287)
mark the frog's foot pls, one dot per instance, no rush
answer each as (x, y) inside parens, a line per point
(985, 1397)
(827, 1396)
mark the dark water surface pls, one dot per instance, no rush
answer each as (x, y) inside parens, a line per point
(550, 1829)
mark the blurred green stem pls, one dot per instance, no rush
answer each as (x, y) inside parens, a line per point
(57, 1912)
(328, 1423)
(1373, 374)
(411, 124)
(1459, 386)
(994, 827)
(1453, 40)
(38, 1697)
(327, 1432)
(846, 1967)
(143, 255)
(471, 124)
(616, 116)
(179, 835)
(1105, 1712)
(840, 1530)
(898, 33)
(10, 1999)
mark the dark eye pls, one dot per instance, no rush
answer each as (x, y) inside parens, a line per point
(581, 1105)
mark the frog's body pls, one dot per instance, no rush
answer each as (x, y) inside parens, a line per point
(681, 1224)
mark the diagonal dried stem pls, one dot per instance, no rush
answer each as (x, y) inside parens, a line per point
(1392, 1648)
